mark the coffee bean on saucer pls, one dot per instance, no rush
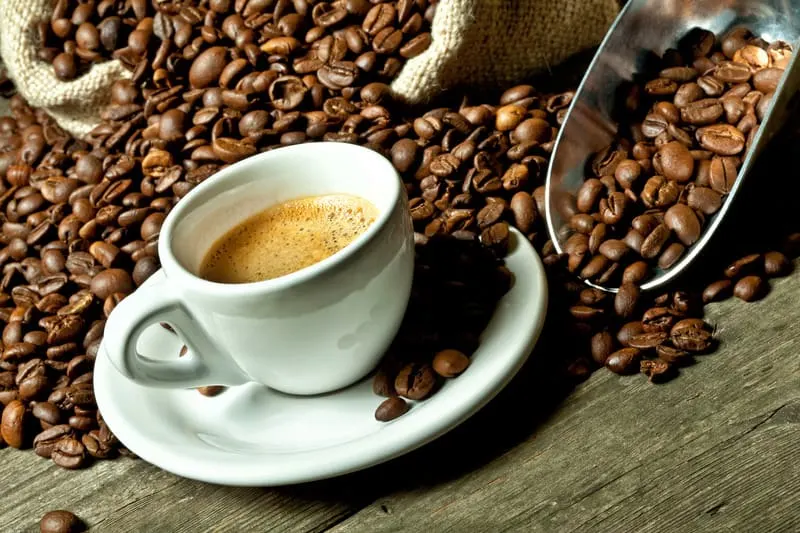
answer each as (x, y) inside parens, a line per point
(61, 522)
(450, 363)
(390, 409)
(415, 381)
(211, 390)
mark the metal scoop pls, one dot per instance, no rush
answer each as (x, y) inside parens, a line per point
(644, 27)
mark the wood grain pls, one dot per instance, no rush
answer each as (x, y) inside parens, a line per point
(716, 450)
(131, 495)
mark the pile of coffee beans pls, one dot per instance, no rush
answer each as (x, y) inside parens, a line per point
(73, 248)
(335, 42)
(688, 127)
(216, 82)
(457, 284)
(81, 34)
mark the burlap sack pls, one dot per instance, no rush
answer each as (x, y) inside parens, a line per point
(495, 43)
(490, 43)
(3, 102)
(76, 104)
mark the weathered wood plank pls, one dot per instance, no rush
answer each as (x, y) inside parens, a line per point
(716, 450)
(131, 495)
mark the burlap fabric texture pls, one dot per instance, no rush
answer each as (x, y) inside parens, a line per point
(488, 43)
(76, 104)
(496, 43)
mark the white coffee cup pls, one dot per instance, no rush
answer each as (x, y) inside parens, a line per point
(312, 331)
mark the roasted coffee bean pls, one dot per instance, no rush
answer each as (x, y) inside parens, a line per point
(415, 381)
(589, 194)
(722, 139)
(722, 174)
(657, 319)
(390, 409)
(675, 162)
(657, 370)
(776, 264)
(654, 242)
(681, 219)
(673, 355)
(624, 361)
(61, 522)
(626, 300)
(450, 363)
(704, 199)
(45, 442)
(750, 288)
(743, 266)
(69, 453)
(635, 273)
(693, 340)
(12, 425)
(718, 290)
(111, 281)
(646, 341)
(602, 346)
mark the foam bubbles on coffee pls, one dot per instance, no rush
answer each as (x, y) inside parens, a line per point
(287, 237)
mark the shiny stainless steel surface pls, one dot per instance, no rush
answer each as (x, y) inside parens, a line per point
(656, 25)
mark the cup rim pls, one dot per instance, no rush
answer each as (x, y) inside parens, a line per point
(193, 282)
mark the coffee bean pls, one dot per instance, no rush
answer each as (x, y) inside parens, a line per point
(207, 67)
(693, 340)
(415, 381)
(722, 139)
(658, 319)
(12, 425)
(681, 219)
(383, 383)
(602, 346)
(722, 174)
(750, 288)
(657, 370)
(624, 361)
(653, 243)
(589, 194)
(61, 522)
(46, 413)
(390, 409)
(635, 273)
(646, 341)
(450, 363)
(776, 264)
(743, 266)
(626, 300)
(111, 281)
(232, 150)
(509, 117)
(704, 199)
(69, 453)
(614, 249)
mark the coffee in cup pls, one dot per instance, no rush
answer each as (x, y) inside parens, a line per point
(287, 237)
(323, 322)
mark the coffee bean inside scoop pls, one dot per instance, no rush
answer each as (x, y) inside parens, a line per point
(684, 133)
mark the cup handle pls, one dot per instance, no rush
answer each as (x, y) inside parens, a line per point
(205, 364)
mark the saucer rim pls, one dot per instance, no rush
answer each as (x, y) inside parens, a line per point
(314, 467)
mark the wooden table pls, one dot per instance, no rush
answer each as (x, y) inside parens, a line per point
(718, 449)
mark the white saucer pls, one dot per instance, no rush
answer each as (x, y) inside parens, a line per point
(253, 436)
